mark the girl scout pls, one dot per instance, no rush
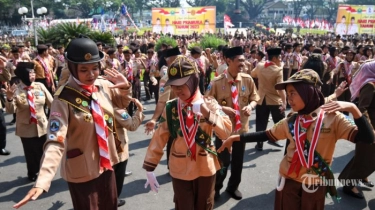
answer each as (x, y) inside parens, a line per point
(81, 131)
(312, 132)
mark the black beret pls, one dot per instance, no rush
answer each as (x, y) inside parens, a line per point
(172, 52)
(233, 51)
(274, 51)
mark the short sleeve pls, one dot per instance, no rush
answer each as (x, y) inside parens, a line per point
(345, 127)
(279, 131)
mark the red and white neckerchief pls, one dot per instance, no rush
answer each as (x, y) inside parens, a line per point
(30, 100)
(268, 63)
(236, 107)
(46, 70)
(333, 62)
(61, 58)
(100, 125)
(189, 130)
(129, 68)
(348, 67)
(120, 57)
(300, 136)
(298, 58)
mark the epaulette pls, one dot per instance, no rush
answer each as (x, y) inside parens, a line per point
(244, 75)
(221, 76)
(169, 101)
(57, 93)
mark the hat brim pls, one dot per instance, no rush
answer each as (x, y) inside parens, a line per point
(282, 85)
(177, 82)
(101, 56)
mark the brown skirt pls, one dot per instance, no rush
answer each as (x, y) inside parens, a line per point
(97, 194)
(294, 197)
(197, 194)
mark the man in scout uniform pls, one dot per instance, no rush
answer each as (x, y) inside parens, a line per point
(269, 73)
(190, 120)
(237, 94)
(60, 61)
(112, 61)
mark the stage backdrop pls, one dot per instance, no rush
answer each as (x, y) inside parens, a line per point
(353, 19)
(178, 21)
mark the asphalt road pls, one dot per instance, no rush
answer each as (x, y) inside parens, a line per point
(258, 178)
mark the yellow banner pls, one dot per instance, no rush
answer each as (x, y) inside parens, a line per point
(353, 19)
(178, 21)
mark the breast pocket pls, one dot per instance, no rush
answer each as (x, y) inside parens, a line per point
(224, 99)
(244, 98)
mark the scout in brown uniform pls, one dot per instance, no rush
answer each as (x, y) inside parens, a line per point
(271, 101)
(81, 105)
(112, 62)
(44, 69)
(165, 92)
(362, 165)
(125, 122)
(305, 169)
(345, 71)
(27, 99)
(190, 119)
(237, 94)
(60, 61)
(4, 77)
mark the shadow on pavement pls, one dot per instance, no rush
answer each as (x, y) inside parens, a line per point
(138, 186)
(13, 160)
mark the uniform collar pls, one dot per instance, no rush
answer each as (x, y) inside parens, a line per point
(72, 83)
(230, 78)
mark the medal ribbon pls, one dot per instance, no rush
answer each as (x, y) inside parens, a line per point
(189, 137)
(300, 138)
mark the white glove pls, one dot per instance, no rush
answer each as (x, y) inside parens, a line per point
(197, 106)
(151, 180)
(154, 81)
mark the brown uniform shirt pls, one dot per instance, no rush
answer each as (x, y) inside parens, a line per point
(39, 70)
(125, 122)
(220, 89)
(180, 165)
(68, 129)
(267, 79)
(335, 126)
(20, 105)
(366, 102)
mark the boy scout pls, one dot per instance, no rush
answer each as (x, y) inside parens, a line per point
(269, 73)
(237, 94)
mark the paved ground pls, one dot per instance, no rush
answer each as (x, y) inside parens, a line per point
(258, 179)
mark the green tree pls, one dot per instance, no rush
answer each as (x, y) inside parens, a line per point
(330, 9)
(297, 6)
(360, 2)
(198, 3)
(254, 7)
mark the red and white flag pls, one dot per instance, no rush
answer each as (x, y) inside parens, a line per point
(227, 22)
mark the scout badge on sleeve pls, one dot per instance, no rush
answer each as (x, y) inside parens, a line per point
(54, 125)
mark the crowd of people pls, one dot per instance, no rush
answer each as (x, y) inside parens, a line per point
(204, 99)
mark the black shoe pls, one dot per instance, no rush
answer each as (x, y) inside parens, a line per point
(217, 195)
(235, 194)
(120, 202)
(348, 190)
(259, 146)
(275, 143)
(128, 173)
(367, 183)
(4, 152)
(12, 122)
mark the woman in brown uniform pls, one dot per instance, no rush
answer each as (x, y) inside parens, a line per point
(313, 133)
(27, 99)
(362, 164)
(79, 133)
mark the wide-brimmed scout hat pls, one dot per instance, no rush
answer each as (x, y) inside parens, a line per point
(306, 76)
(83, 51)
(180, 71)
